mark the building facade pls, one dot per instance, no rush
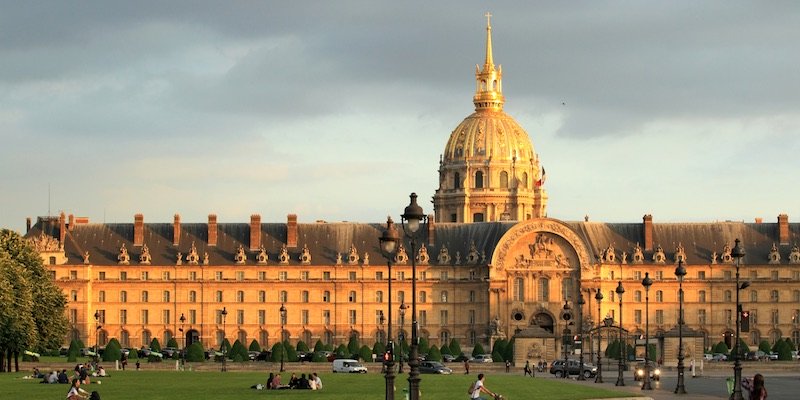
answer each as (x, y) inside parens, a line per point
(492, 265)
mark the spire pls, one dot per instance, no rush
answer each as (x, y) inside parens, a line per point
(489, 84)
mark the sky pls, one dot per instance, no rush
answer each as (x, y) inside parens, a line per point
(336, 111)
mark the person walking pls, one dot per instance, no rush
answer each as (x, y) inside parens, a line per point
(527, 370)
(508, 366)
(478, 387)
(466, 367)
(755, 387)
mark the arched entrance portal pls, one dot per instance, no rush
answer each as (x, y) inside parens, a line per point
(192, 335)
(544, 321)
(727, 337)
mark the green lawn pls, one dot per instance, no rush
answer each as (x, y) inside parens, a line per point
(173, 385)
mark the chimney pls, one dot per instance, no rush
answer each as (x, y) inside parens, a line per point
(759, 220)
(212, 229)
(783, 228)
(71, 225)
(27, 224)
(138, 230)
(255, 232)
(62, 228)
(176, 230)
(291, 230)
(431, 232)
(647, 221)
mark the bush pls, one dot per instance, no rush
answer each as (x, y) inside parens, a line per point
(155, 345)
(445, 349)
(612, 350)
(113, 351)
(478, 349)
(226, 345)
(424, 347)
(172, 343)
(497, 357)
(74, 350)
(455, 347)
(499, 346)
(319, 346)
(341, 352)
(319, 356)
(784, 350)
(378, 349)
(278, 352)
(764, 346)
(302, 346)
(254, 346)
(365, 353)
(434, 354)
(194, 353)
(721, 347)
(352, 345)
(509, 353)
(291, 353)
(133, 354)
(238, 350)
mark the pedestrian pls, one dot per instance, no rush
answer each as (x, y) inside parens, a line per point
(466, 367)
(527, 370)
(691, 366)
(508, 366)
(478, 387)
(755, 387)
(138, 365)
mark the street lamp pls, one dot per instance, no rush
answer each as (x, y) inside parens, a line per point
(599, 378)
(412, 218)
(680, 272)
(621, 365)
(283, 345)
(401, 336)
(388, 242)
(581, 302)
(183, 351)
(566, 315)
(224, 356)
(646, 282)
(737, 253)
(97, 327)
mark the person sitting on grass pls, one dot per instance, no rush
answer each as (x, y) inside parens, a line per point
(294, 381)
(62, 377)
(315, 382)
(302, 383)
(75, 391)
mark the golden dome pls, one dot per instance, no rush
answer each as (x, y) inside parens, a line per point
(491, 135)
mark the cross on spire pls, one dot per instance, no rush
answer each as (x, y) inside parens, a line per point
(488, 19)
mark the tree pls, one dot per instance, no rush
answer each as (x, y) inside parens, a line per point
(423, 346)
(764, 346)
(225, 345)
(352, 345)
(155, 345)
(434, 354)
(478, 349)
(238, 352)
(445, 349)
(378, 349)
(302, 346)
(113, 350)
(254, 346)
(291, 353)
(23, 278)
(319, 346)
(721, 348)
(455, 347)
(509, 353)
(73, 351)
(194, 353)
(365, 353)
(499, 346)
(341, 352)
(278, 352)
(172, 343)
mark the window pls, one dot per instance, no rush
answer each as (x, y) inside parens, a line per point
(637, 275)
(727, 295)
(352, 296)
(304, 296)
(352, 317)
(73, 275)
(755, 338)
(262, 296)
(660, 317)
(728, 317)
(379, 296)
(192, 317)
(471, 296)
(504, 180)
(544, 289)
(100, 276)
(659, 275)
(101, 296)
(123, 276)
(123, 296)
(326, 317)
(165, 297)
(284, 296)
(423, 275)
(101, 316)
(519, 289)
(145, 317)
(567, 285)
(753, 317)
(701, 274)
(351, 275)
(611, 295)
(443, 320)
(218, 317)
(240, 296)
(444, 296)
(659, 296)
(239, 275)
(774, 318)
(326, 276)
(165, 317)
(479, 180)
(145, 296)
(754, 274)
(726, 275)
(262, 317)
(218, 275)
(283, 275)
(637, 296)
(473, 275)
(637, 317)
(423, 318)
(262, 275)
(477, 217)
(443, 276)
(240, 317)
(379, 275)
(145, 275)
(524, 180)
(401, 275)
(796, 296)
(218, 296)
(701, 296)
(192, 296)
(304, 275)
(401, 297)
(774, 275)
(73, 316)
(192, 275)
(73, 295)
(165, 276)
(701, 316)
(304, 317)
(471, 317)
(326, 296)
(754, 296)
(773, 296)
(795, 317)
(123, 317)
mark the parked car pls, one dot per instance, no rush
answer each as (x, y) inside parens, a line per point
(349, 366)
(773, 356)
(719, 357)
(482, 358)
(264, 355)
(655, 371)
(63, 351)
(168, 352)
(463, 357)
(448, 358)
(573, 368)
(707, 357)
(434, 367)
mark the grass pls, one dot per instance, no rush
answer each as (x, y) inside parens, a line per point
(194, 385)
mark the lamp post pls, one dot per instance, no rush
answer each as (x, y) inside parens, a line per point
(680, 272)
(646, 282)
(621, 365)
(737, 253)
(566, 315)
(401, 336)
(388, 242)
(224, 356)
(283, 323)
(183, 351)
(581, 302)
(412, 218)
(97, 327)
(599, 377)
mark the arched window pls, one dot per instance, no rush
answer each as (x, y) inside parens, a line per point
(524, 180)
(242, 336)
(456, 181)
(519, 289)
(167, 336)
(479, 180)
(124, 338)
(504, 180)
(263, 339)
(146, 338)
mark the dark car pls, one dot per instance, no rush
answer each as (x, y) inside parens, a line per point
(264, 355)
(655, 371)
(169, 352)
(434, 367)
(448, 358)
(573, 368)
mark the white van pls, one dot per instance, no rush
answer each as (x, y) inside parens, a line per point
(348, 365)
